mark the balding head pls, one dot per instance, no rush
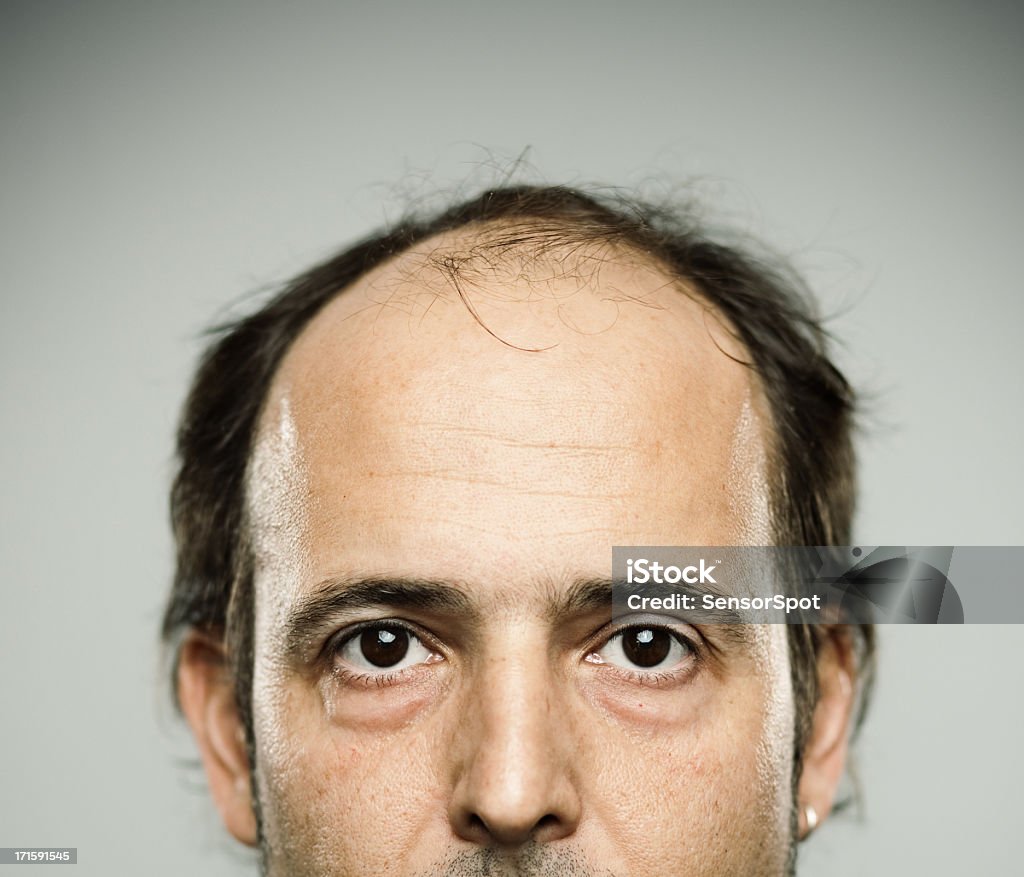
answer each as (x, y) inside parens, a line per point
(445, 450)
(575, 386)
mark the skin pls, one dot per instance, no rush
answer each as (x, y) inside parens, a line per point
(403, 441)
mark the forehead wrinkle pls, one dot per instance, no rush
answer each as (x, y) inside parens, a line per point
(654, 396)
(514, 400)
(510, 485)
(450, 427)
(443, 448)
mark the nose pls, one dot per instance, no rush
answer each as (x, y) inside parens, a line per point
(516, 781)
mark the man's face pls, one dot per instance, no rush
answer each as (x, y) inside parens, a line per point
(440, 688)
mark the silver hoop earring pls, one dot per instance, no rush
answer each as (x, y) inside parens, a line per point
(811, 817)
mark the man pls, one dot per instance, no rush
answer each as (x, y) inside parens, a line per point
(400, 484)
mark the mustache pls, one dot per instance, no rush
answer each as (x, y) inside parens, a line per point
(533, 860)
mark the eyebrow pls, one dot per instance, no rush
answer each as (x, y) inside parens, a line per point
(338, 596)
(335, 597)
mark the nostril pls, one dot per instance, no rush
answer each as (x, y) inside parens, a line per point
(501, 832)
(549, 828)
(546, 822)
(477, 829)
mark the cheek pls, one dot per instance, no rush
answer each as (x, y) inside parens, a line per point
(774, 752)
(695, 772)
(700, 790)
(339, 800)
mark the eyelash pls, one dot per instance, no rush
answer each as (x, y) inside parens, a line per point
(351, 676)
(601, 640)
(652, 678)
(367, 680)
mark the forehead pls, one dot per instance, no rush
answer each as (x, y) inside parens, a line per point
(452, 416)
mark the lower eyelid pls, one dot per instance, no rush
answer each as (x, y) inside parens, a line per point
(370, 681)
(346, 673)
(679, 673)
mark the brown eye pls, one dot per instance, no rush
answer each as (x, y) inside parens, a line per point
(382, 647)
(645, 647)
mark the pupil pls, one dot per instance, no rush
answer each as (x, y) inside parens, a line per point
(384, 646)
(647, 647)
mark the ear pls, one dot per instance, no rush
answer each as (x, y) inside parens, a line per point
(828, 741)
(207, 698)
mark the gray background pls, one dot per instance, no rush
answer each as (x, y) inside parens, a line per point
(160, 160)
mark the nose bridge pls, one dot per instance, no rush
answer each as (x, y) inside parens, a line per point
(515, 780)
(514, 712)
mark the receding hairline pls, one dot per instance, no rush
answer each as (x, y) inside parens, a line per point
(528, 249)
(470, 260)
(508, 248)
